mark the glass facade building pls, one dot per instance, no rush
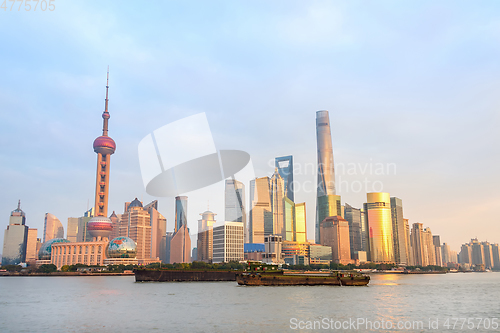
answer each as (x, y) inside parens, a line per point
(284, 165)
(180, 212)
(328, 205)
(261, 216)
(380, 227)
(401, 252)
(15, 238)
(326, 171)
(353, 217)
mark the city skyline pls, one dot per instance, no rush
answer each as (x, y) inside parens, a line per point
(416, 113)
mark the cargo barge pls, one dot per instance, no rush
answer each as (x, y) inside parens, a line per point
(281, 278)
(171, 275)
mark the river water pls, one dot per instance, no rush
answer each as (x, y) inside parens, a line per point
(392, 303)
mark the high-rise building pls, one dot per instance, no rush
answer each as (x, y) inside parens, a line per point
(135, 224)
(180, 246)
(289, 220)
(277, 191)
(401, 252)
(495, 252)
(477, 252)
(273, 253)
(31, 244)
(234, 196)
(168, 242)
(335, 233)
(465, 256)
(420, 257)
(52, 228)
(409, 250)
(15, 238)
(180, 212)
(445, 254)
(228, 240)
(326, 171)
(353, 217)
(284, 165)
(100, 226)
(328, 205)
(115, 221)
(437, 247)
(261, 216)
(429, 249)
(158, 225)
(300, 223)
(205, 237)
(488, 255)
(72, 229)
(380, 227)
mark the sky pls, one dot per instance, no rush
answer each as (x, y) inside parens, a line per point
(411, 87)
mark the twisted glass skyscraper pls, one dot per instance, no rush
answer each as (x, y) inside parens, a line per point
(326, 172)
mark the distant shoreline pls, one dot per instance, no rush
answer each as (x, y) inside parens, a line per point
(65, 274)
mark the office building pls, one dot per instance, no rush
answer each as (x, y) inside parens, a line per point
(228, 240)
(320, 254)
(401, 252)
(284, 165)
(254, 251)
(288, 233)
(234, 199)
(205, 237)
(326, 171)
(334, 232)
(477, 252)
(158, 225)
(31, 246)
(294, 249)
(180, 212)
(53, 228)
(378, 211)
(277, 191)
(495, 250)
(437, 247)
(418, 247)
(354, 218)
(15, 238)
(328, 205)
(488, 255)
(168, 241)
(115, 222)
(180, 246)
(261, 216)
(300, 223)
(429, 247)
(273, 253)
(135, 224)
(72, 229)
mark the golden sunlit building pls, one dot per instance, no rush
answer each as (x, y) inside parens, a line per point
(378, 212)
(334, 232)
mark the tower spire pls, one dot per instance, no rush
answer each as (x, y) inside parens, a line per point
(19, 204)
(105, 114)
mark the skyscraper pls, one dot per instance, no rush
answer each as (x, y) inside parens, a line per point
(300, 223)
(326, 171)
(353, 217)
(100, 225)
(228, 242)
(277, 191)
(335, 233)
(15, 238)
(284, 165)
(289, 220)
(401, 253)
(52, 228)
(328, 205)
(261, 217)
(235, 202)
(420, 257)
(380, 227)
(180, 246)
(135, 224)
(31, 244)
(180, 212)
(72, 229)
(205, 236)
(158, 225)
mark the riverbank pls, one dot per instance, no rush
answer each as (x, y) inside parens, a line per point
(65, 274)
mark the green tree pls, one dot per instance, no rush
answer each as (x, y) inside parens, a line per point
(47, 268)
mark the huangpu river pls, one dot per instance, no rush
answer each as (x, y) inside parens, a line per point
(455, 302)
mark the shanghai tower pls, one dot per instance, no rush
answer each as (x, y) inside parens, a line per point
(326, 172)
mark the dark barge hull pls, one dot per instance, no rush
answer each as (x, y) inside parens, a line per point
(146, 275)
(298, 280)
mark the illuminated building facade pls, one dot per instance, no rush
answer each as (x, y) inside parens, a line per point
(234, 199)
(15, 238)
(328, 205)
(334, 232)
(228, 240)
(261, 216)
(180, 246)
(31, 246)
(158, 225)
(380, 227)
(273, 253)
(205, 240)
(353, 217)
(401, 252)
(277, 191)
(72, 229)
(135, 224)
(284, 165)
(300, 223)
(52, 228)
(326, 171)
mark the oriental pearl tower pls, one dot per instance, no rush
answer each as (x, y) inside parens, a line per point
(100, 226)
